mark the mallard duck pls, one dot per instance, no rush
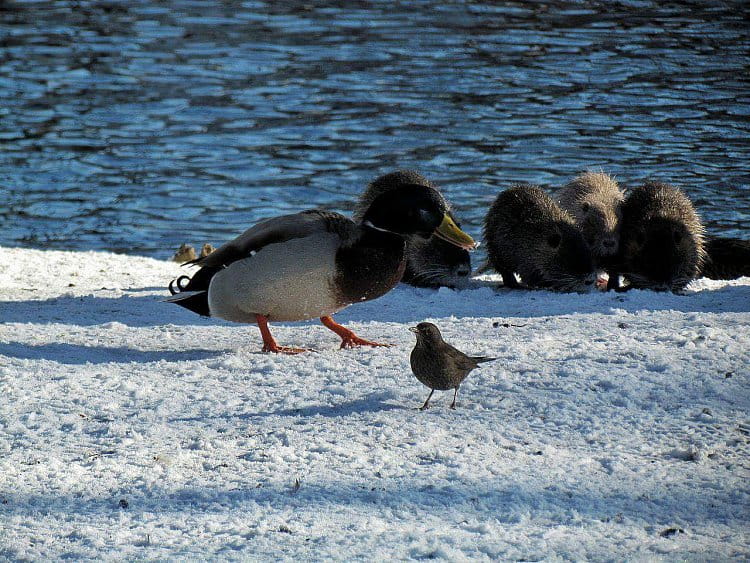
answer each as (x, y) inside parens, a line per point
(315, 263)
(430, 262)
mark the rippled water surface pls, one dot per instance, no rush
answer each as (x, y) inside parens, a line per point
(136, 126)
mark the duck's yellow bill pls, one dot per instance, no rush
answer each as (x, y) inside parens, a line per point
(449, 231)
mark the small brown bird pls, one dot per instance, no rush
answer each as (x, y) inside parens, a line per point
(437, 364)
(184, 254)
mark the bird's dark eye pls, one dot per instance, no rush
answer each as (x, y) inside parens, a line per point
(554, 240)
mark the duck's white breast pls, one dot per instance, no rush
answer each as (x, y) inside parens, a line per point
(288, 281)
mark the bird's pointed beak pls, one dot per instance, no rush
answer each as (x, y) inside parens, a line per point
(414, 329)
(449, 231)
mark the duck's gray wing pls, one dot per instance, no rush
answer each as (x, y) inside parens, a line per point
(276, 230)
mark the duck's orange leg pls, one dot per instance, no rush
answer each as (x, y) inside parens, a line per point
(269, 343)
(348, 338)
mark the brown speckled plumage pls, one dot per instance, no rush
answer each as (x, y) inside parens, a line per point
(185, 253)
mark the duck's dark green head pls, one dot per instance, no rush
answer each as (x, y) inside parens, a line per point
(415, 210)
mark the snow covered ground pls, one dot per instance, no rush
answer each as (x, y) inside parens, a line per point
(613, 426)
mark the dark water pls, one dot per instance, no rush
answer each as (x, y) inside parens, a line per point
(136, 126)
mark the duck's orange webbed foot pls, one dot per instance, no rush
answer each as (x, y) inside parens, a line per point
(348, 338)
(354, 341)
(290, 350)
(269, 343)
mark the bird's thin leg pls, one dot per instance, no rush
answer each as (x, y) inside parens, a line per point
(269, 343)
(427, 402)
(453, 404)
(348, 338)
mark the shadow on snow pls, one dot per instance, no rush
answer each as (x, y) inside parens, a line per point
(76, 354)
(405, 304)
(466, 497)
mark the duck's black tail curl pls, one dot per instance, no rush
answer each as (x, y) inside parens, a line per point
(178, 285)
(192, 293)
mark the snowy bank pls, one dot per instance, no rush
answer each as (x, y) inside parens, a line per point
(612, 426)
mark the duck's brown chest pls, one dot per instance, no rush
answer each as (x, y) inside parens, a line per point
(364, 273)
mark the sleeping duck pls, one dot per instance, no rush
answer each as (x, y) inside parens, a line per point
(430, 262)
(315, 263)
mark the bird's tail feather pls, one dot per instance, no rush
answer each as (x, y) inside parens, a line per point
(482, 359)
(192, 293)
(196, 301)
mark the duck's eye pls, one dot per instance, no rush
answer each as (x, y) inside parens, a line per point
(554, 240)
(585, 207)
(424, 216)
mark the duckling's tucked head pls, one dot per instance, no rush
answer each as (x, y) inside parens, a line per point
(415, 210)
